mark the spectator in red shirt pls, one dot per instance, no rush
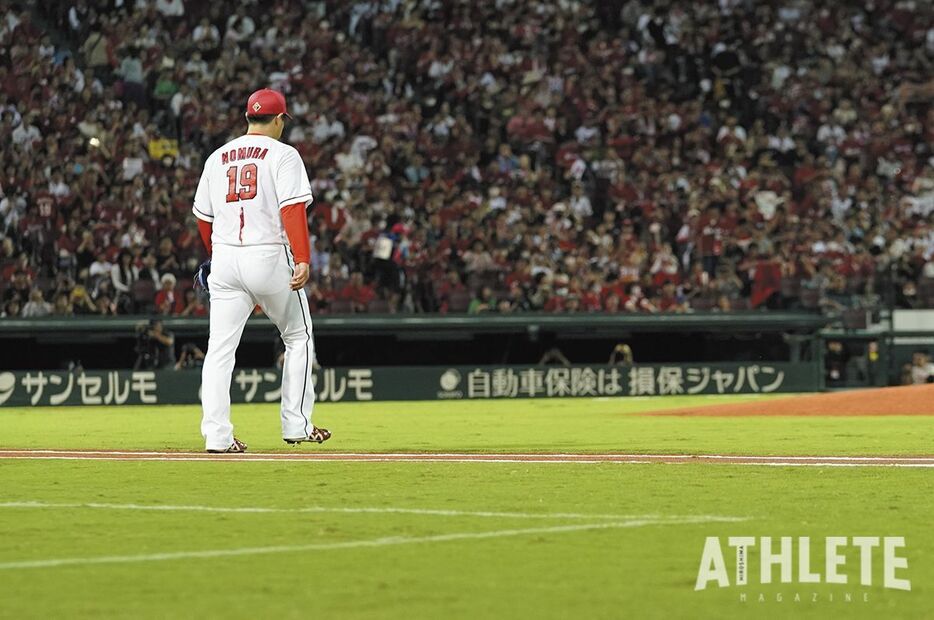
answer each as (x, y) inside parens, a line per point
(612, 304)
(636, 301)
(766, 282)
(664, 267)
(193, 305)
(357, 292)
(671, 300)
(710, 244)
(451, 284)
(167, 300)
(590, 298)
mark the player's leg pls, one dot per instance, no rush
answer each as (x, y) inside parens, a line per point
(231, 306)
(288, 309)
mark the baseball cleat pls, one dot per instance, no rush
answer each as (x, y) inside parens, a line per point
(236, 446)
(318, 435)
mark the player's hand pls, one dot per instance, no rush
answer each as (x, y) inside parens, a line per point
(300, 277)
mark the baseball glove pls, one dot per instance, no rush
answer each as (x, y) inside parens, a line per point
(201, 276)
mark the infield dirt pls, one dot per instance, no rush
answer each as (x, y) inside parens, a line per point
(892, 401)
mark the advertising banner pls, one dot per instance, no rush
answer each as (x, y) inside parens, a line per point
(118, 387)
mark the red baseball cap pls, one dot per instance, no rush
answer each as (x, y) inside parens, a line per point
(266, 101)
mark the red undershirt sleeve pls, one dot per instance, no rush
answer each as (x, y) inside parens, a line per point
(296, 229)
(205, 229)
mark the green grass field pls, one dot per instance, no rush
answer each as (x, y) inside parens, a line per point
(93, 539)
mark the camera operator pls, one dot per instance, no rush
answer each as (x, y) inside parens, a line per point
(155, 347)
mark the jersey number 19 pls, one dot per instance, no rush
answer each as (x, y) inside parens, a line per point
(247, 188)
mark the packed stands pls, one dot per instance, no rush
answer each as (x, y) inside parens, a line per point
(482, 155)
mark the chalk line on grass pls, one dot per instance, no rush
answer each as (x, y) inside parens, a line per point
(356, 510)
(437, 457)
(351, 544)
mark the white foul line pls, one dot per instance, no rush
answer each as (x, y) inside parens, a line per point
(466, 455)
(361, 510)
(352, 544)
(440, 457)
(777, 462)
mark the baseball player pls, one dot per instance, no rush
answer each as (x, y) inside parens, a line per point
(250, 206)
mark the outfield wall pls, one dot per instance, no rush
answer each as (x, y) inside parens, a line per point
(258, 385)
(355, 341)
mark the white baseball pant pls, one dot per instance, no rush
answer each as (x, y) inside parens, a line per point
(243, 277)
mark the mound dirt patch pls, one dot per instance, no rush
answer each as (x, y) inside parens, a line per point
(904, 400)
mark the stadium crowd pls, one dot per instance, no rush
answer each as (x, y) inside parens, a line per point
(481, 155)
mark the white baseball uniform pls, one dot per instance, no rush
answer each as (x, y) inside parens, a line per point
(244, 185)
